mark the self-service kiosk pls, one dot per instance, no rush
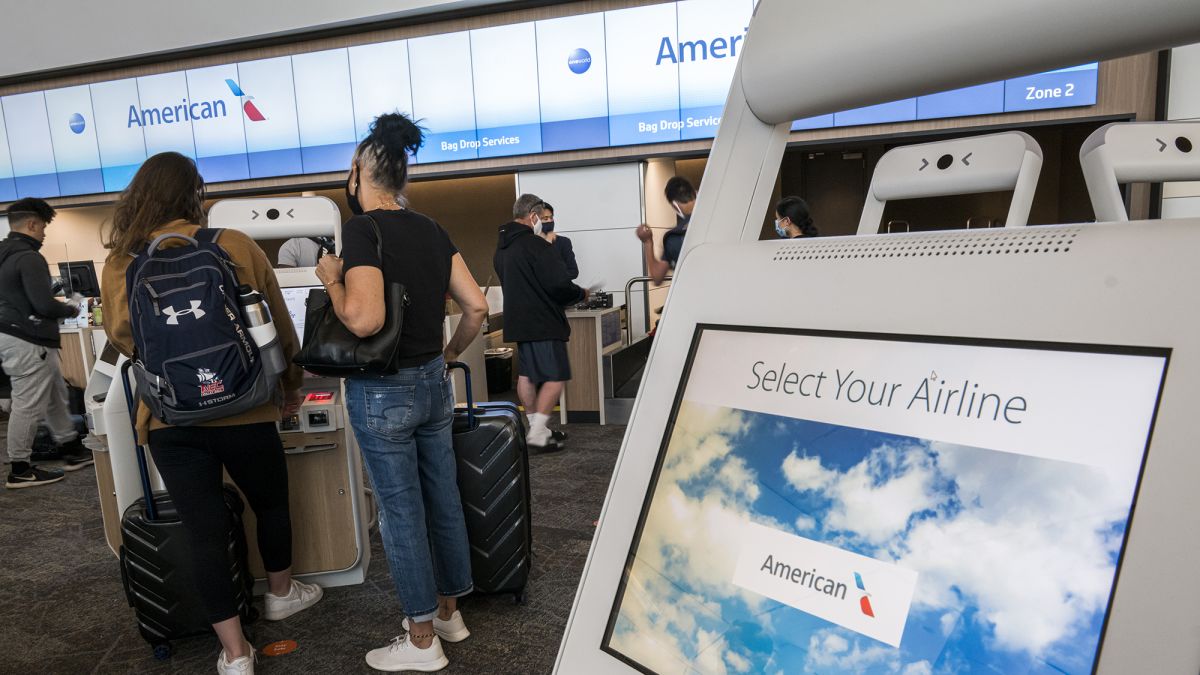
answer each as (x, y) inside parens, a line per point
(970, 451)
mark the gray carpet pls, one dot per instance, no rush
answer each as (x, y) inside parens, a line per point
(62, 609)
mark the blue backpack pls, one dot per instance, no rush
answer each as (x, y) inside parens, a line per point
(194, 359)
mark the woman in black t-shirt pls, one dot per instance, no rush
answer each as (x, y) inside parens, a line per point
(403, 421)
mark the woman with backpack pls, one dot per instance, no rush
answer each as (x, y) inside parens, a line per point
(403, 421)
(166, 196)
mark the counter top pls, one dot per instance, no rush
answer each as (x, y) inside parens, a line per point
(590, 312)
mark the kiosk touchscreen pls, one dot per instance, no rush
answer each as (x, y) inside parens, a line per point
(862, 503)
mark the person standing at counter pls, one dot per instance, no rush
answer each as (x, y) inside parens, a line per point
(792, 219)
(403, 421)
(682, 196)
(536, 287)
(29, 345)
(303, 251)
(166, 196)
(561, 244)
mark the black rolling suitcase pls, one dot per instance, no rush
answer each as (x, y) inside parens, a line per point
(156, 557)
(493, 480)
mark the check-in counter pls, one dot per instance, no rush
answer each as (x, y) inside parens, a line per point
(595, 333)
(78, 353)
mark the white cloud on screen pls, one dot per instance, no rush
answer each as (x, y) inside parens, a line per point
(829, 650)
(1027, 540)
(918, 668)
(738, 662)
(693, 538)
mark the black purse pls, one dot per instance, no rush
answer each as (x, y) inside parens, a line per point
(331, 350)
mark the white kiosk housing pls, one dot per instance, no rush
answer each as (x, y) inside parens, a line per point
(971, 451)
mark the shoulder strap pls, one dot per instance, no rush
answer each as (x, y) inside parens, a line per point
(208, 235)
(378, 236)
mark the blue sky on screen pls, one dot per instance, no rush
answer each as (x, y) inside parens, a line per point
(1015, 555)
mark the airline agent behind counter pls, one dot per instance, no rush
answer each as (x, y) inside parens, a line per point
(682, 196)
(792, 219)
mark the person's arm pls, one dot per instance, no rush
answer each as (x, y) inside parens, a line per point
(551, 274)
(357, 293)
(465, 291)
(568, 256)
(116, 306)
(657, 269)
(35, 279)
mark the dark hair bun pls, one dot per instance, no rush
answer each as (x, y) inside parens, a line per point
(396, 134)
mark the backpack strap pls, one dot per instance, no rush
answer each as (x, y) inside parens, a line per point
(208, 235)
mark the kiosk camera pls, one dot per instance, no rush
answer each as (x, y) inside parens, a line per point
(1128, 152)
(278, 217)
(972, 451)
(1007, 161)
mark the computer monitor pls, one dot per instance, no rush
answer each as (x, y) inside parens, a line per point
(933, 463)
(79, 277)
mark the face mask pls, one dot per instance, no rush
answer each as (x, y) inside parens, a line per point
(352, 199)
(548, 226)
(537, 226)
(779, 229)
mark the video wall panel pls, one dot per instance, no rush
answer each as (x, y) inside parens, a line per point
(624, 77)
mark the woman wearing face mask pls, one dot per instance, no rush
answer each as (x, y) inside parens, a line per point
(403, 421)
(792, 219)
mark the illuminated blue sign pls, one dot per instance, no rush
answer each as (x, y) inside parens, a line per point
(656, 73)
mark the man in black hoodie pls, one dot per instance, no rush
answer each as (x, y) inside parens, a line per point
(29, 346)
(536, 288)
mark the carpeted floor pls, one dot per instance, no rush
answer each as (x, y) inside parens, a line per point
(62, 609)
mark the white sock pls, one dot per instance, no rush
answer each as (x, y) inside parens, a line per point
(539, 433)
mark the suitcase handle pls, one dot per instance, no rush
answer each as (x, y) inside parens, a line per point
(459, 365)
(143, 468)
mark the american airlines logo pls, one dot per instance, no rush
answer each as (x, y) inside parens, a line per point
(252, 112)
(814, 577)
(864, 603)
(188, 110)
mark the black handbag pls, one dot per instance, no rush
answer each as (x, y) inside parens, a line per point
(331, 350)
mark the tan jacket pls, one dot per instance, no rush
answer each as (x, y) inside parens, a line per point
(253, 268)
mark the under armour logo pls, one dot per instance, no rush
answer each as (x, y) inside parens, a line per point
(173, 316)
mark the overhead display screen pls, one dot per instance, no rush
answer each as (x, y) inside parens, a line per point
(849, 503)
(649, 74)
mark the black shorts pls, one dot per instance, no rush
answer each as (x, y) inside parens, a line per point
(543, 361)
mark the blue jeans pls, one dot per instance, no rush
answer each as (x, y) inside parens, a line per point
(403, 426)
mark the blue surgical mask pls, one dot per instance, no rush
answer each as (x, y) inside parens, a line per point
(779, 229)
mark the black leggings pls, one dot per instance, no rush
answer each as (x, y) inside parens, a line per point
(190, 460)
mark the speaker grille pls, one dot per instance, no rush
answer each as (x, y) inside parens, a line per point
(1023, 241)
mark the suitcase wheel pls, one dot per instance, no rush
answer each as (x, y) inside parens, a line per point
(520, 597)
(162, 651)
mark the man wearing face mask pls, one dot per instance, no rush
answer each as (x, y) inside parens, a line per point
(29, 344)
(682, 196)
(561, 244)
(536, 288)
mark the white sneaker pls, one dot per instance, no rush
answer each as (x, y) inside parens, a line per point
(300, 597)
(453, 629)
(240, 666)
(402, 654)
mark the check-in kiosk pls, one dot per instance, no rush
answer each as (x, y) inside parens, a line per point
(971, 451)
